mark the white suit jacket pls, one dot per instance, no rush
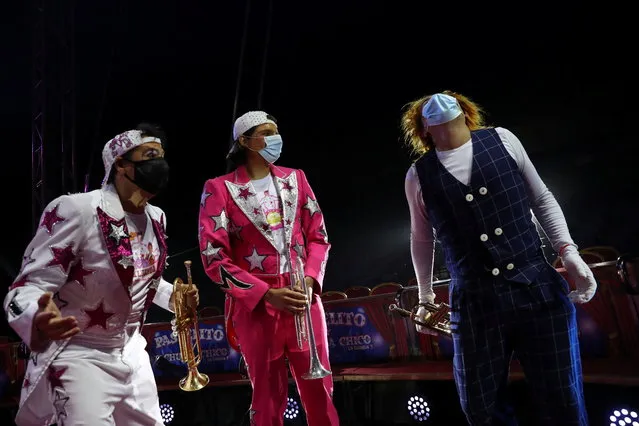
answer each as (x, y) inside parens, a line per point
(82, 254)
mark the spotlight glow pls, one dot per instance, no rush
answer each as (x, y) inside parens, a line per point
(168, 414)
(418, 408)
(292, 409)
(624, 417)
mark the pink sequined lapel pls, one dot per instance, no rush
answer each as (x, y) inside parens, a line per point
(158, 228)
(116, 237)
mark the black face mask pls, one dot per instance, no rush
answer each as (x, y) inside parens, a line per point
(151, 175)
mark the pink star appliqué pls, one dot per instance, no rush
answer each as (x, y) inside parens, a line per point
(287, 186)
(245, 193)
(77, 273)
(54, 377)
(62, 257)
(20, 283)
(51, 218)
(98, 316)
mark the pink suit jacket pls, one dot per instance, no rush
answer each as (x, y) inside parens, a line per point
(238, 249)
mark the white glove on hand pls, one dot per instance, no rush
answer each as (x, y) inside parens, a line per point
(582, 276)
(422, 312)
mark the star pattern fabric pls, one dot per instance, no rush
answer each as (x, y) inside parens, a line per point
(27, 381)
(245, 193)
(117, 232)
(98, 316)
(62, 257)
(59, 403)
(126, 261)
(77, 273)
(299, 249)
(27, 259)
(235, 231)
(286, 186)
(311, 206)
(221, 221)
(19, 283)
(203, 198)
(211, 253)
(55, 377)
(59, 302)
(50, 219)
(255, 260)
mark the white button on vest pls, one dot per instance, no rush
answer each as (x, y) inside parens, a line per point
(498, 231)
(483, 191)
(510, 266)
(469, 197)
(483, 237)
(495, 272)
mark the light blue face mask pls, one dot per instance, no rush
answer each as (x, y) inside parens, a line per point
(271, 152)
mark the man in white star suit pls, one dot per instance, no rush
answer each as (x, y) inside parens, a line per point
(82, 293)
(253, 221)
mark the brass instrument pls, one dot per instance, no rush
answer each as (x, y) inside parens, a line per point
(304, 325)
(184, 322)
(437, 316)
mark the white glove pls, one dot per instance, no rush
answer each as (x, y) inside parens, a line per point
(582, 276)
(422, 312)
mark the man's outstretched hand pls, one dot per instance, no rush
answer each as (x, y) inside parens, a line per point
(48, 324)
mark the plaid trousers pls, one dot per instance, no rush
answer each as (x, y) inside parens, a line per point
(494, 319)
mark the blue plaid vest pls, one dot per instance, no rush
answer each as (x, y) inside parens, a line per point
(485, 228)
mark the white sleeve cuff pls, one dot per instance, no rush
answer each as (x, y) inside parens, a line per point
(23, 323)
(163, 295)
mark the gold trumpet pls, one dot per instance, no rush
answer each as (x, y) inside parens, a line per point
(437, 316)
(304, 325)
(185, 320)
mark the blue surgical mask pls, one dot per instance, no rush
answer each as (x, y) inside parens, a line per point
(271, 152)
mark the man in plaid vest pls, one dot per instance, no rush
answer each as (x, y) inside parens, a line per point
(476, 190)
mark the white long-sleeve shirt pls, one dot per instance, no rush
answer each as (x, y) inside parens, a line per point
(459, 162)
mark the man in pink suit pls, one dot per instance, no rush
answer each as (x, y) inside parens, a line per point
(255, 222)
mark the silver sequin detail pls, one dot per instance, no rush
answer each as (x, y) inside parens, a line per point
(255, 260)
(311, 206)
(221, 221)
(117, 232)
(289, 202)
(250, 207)
(211, 253)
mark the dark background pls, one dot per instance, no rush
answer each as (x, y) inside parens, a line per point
(336, 77)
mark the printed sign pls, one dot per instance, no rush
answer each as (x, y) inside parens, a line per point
(352, 337)
(217, 355)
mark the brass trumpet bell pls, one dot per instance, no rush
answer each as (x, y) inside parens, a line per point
(437, 317)
(194, 381)
(184, 324)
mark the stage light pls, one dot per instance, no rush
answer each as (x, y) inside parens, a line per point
(168, 414)
(418, 408)
(624, 417)
(292, 409)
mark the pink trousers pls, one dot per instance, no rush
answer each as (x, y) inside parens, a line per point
(267, 338)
